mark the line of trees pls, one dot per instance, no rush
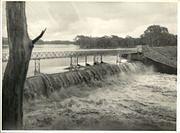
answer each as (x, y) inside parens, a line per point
(40, 41)
(154, 35)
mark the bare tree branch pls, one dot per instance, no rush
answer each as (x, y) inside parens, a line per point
(38, 37)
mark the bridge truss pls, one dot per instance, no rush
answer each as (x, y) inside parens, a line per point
(37, 56)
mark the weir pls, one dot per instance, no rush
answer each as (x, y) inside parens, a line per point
(43, 85)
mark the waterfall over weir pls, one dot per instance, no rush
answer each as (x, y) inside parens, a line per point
(43, 85)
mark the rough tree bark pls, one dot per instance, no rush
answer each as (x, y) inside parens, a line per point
(20, 49)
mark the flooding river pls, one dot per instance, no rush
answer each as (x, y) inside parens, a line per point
(141, 100)
(137, 100)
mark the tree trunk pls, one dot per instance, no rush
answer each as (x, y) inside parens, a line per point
(20, 48)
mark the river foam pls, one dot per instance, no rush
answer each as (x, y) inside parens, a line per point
(135, 99)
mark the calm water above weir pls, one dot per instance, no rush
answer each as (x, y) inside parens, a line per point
(57, 65)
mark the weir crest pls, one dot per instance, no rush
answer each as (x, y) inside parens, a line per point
(43, 85)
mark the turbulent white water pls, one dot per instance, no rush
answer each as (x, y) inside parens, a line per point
(136, 99)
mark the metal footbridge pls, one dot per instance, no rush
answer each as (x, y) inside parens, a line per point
(79, 53)
(74, 56)
(157, 54)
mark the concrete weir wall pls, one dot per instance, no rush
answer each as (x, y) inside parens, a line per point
(44, 84)
(159, 67)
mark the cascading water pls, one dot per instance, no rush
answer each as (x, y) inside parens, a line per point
(52, 82)
(128, 96)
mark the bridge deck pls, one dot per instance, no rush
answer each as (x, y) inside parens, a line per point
(66, 54)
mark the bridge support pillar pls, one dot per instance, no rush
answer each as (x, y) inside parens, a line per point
(71, 64)
(118, 58)
(77, 60)
(101, 58)
(85, 60)
(36, 66)
(94, 59)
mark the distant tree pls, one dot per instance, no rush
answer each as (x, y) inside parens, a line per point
(129, 41)
(156, 35)
(156, 29)
(20, 49)
(114, 41)
(103, 42)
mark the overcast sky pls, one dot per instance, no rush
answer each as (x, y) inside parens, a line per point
(65, 20)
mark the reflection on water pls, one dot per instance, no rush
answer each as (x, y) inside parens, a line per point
(49, 65)
(57, 65)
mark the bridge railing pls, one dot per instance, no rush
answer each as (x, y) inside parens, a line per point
(74, 56)
(68, 54)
